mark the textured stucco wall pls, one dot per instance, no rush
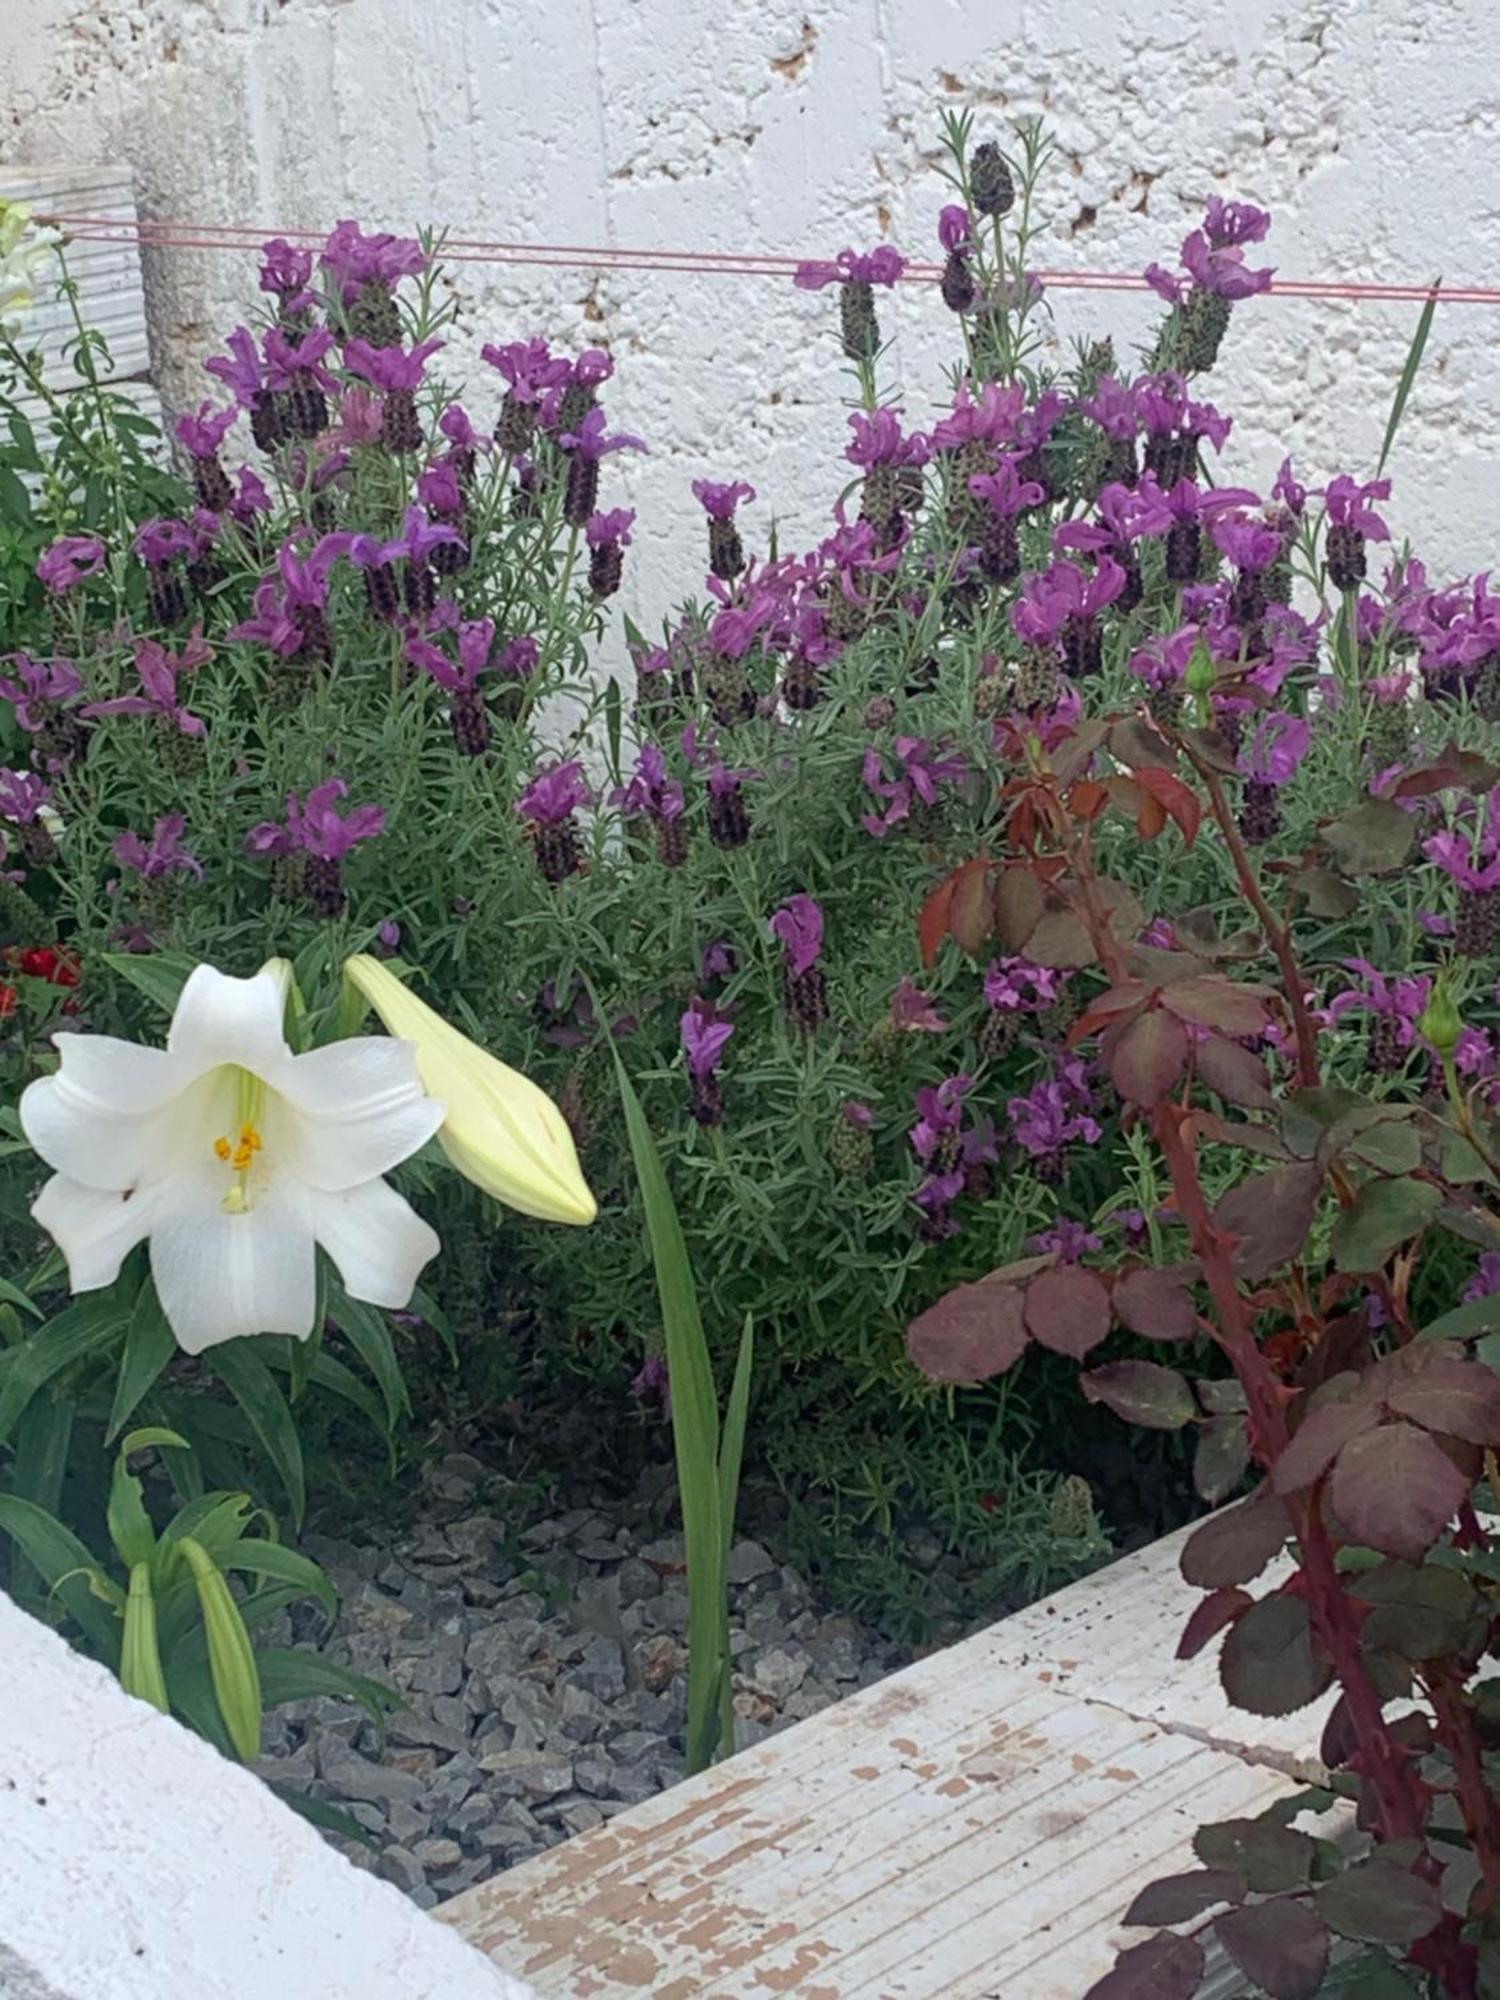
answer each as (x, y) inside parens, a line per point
(1368, 126)
(139, 1865)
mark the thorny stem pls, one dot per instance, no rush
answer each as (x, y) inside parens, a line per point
(1276, 931)
(1480, 1808)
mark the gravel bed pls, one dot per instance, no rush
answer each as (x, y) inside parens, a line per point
(543, 1677)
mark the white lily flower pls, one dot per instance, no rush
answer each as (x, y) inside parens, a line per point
(236, 1159)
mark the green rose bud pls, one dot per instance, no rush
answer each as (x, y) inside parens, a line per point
(1440, 1022)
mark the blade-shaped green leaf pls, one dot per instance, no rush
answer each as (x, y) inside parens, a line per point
(87, 1327)
(262, 1558)
(19, 1298)
(328, 1373)
(64, 1565)
(370, 1337)
(149, 1346)
(695, 1430)
(1409, 374)
(287, 1674)
(251, 1383)
(731, 1455)
(327, 1818)
(160, 975)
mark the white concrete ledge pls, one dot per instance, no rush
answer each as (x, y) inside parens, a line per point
(140, 1865)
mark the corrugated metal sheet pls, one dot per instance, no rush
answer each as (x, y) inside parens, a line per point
(108, 276)
(970, 1829)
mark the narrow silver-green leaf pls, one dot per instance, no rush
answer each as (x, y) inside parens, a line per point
(1409, 373)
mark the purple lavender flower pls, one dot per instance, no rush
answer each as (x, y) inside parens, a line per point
(1061, 605)
(914, 1012)
(1052, 1114)
(1016, 986)
(652, 793)
(519, 658)
(390, 367)
(1287, 491)
(1072, 1241)
(554, 795)
(705, 1034)
(250, 497)
(528, 367)
(40, 689)
(1006, 491)
(158, 542)
(158, 672)
(799, 925)
(1471, 859)
(992, 420)
(71, 560)
(719, 502)
(1486, 1280)
(651, 1380)
(388, 937)
(293, 365)
(163, 855)
(955, 227)
(241, 370)
(1248, 543)
(352, 259)
(1348, 502)
(590, 441)
(1112, 408)
(286, 271)
(1277, 748)
(22, 796)
(289, 608)
(880, 441)
(204, 431)
(322, 831)
(922, 771)
(718, 961)
(881, 266)
(1395, 1006)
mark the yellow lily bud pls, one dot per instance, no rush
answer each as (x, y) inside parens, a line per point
(501, 1132)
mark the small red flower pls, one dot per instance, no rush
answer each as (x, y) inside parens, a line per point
(7, 1002)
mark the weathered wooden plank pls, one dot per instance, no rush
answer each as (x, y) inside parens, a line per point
(974, 1826)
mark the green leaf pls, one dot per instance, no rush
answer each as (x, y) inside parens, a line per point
(19, 1298)
(328, 1373)
(319, 1813)
(140, 1659)
(1384, 1215)
(288, 1674)
(1267, 1662)
(160, 975)
(250, 1382)
(261, 1558)
(130, 1526)
(370, 1337)
(231, 1658)
(15, 501)
(1409, 372)
(66, 1567)
(1477, 1316)
(149, 1345)
(1373, 839)
(87, 1327)
(695, 1430)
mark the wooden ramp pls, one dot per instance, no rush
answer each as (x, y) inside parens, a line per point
(973, 1826)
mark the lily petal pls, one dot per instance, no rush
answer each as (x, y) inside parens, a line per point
(361, 1110)
(94, 1228)
(219, 1275)
(94, 1119)
(377, 1240)
(501, 1132)
(220, 1019)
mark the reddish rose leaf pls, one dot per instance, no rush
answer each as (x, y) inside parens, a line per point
(1326, 894)
(1281, 1947)
(1395, 1490)
(1373, 839)
(1318, 1440)
(1146, 1058)
(1061, 942)
(1384, 1215)
(1222, 1458)
(1212, 1001)
(1267, 1664)
(1067, 1309)
(1218, 1609)
(1272, 1858)
(1163, 1968)
(1136, 743)
(1157, 1303)
(1088, 798)
(1176, 1899)
(1234, 1545)
(1237, 1074)
(1379, 1902)
(971, 910)
(1019, 903)
(972, 1333)
(1459, 1398)
(1142, 1392)
(1270, 1214)
(1076, 748)
(1180, 801)
(1023, 1268)
(1452, 769)
(1117, 1004)
(932, 924)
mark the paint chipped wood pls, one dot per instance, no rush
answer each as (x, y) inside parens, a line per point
(971, 1828)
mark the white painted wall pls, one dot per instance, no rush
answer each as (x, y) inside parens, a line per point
(1369, 127)
(139, 1865)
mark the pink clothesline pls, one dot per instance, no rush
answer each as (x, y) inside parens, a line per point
(182, 235)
